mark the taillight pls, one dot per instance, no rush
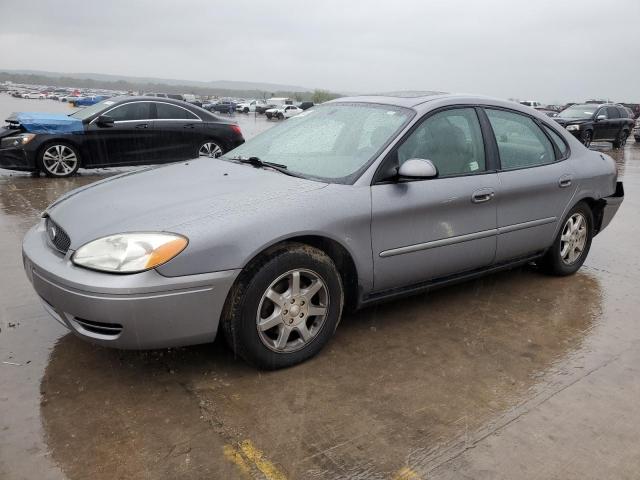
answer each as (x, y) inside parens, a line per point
(236, 129)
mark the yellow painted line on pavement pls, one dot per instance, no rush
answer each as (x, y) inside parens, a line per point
(235, 457)
(267, 468)
(405, 473)
(248, 455)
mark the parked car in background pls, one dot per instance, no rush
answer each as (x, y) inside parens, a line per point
(250, 105)
(87, 101)
(263, 108)
(547, 112)
(115, 132)
(33, 95)
(282, 112)
(224, 106)
(532, 104)
(597, 122)
(636, 130)
(270, 243)
(305, 105)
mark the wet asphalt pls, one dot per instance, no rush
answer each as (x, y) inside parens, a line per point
(516, 375)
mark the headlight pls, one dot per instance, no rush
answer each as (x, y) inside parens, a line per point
(129, 252)
(573, 127)
(18, 140)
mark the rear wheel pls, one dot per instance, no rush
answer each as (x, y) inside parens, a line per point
(284, 308)
(572, 244)
(210, 149)
(586, 138)
(59, 160)
(621, 141)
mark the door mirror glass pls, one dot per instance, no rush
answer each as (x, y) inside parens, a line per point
(104, 121)
(417, 168)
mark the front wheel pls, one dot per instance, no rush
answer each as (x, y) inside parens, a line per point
(281, 116)
(586, 138)
(284, 308)
(572, 244)
(59, 160)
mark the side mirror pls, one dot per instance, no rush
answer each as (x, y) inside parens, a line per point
(417, 168)
(601, 117)
(104, 121)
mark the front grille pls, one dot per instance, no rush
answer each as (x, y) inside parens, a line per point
(57, 236)
(107, 329)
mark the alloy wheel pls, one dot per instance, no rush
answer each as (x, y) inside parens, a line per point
(59, 160)
(292, 310)
(586, 139)
(573, 239)
(210, 149)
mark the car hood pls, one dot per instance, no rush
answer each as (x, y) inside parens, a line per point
(572, 121)
(49, 123)
(164, 198)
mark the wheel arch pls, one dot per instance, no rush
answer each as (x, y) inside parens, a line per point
(338, 253)
(63, 141)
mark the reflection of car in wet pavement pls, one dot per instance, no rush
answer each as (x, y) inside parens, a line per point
(597, 122)
(116, 132)
(500, 184)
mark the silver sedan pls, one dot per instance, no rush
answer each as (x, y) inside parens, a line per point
(349, 203)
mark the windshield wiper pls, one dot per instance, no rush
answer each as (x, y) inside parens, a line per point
(256, 162)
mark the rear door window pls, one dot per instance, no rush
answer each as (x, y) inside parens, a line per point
(521, 143)
(166, 111)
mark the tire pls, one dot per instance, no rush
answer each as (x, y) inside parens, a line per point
(286, 321)
(58, 159)
(555, 262)
(211, 149)
(621, 140)
(246, 110)
(586, 138)
(268, 116)
(281, 116)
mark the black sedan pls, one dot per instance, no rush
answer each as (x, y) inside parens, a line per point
(115, 132)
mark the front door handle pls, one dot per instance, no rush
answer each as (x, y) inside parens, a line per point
(482, 195)
(565, 181)
(142, 125)
(189, 125)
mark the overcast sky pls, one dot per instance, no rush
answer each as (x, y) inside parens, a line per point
(547, 50)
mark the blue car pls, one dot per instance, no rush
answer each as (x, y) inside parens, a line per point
(87, 101)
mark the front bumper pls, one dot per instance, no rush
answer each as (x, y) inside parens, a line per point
(14, 158)
(611, 206)
(138, 311)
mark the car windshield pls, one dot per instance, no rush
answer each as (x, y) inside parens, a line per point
(334, 142)
(578, 111)
(91, 110)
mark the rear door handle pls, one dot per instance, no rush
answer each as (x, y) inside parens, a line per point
(142, 125)
(189, 125)
(482, 195)
(565, 181)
